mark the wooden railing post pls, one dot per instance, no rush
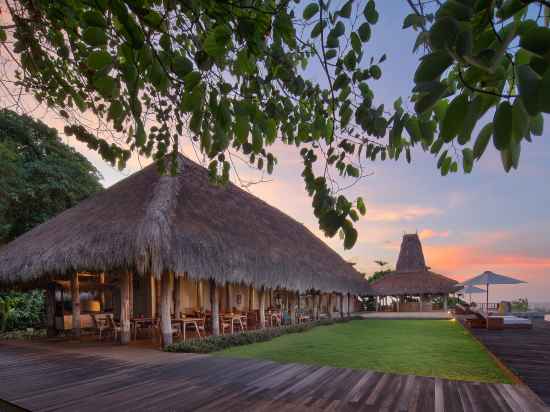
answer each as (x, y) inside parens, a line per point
(215, 308)
(166, 293)
(75, 296)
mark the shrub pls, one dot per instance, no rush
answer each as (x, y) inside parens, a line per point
(21, 310)
(217, 343)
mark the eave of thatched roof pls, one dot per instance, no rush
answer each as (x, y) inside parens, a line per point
(413, 283)
(412, 276)
(148, 223)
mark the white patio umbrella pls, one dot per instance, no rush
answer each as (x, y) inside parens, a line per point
(470, 289)
(490, 278)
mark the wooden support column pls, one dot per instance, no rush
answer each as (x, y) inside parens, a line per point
(102, 291)
(316, 305)
(200, 304)
(178, 306)
(261, 297)
(166, 294)
(214, 304)
(125, 299)
(349, 304)
(330, 305)
(445, 302)
(229, 292)
(291, 309)
(50, 310)
(75, 296)
(250, 298)
(151, 297)
(131, 296)
(341, 302)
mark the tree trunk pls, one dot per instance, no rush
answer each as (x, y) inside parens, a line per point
(166, 293)
(125, 310)
(262, 307)
(50, 310)
(75, 296)
(214, 303)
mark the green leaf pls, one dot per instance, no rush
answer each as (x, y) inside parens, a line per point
(432, 66)
(370, 12)
(361, 206)
(105, 85)
(536, 40)
(3, 35)
(339, 29)
(428, 100)
(356, 42)
(94, 18)
(192, 79)
(520, 120)
(454, 118)
(502, 120)
(350, 238)
(414, 20)
(375, 72)
(95, 36)
(510, 156)
(317, 29)
(467, 160)
(537, 124)
(217, 41)
(311, 10)
(473, 113)
(544, 92)
(483, 140)
(181, 65)
(444, 33)
(98, 60)
(364, 32)
(529, 86)
(350, 60)
(345, 11)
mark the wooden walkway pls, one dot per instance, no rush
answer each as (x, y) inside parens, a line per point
(46, 377)
(525, 352)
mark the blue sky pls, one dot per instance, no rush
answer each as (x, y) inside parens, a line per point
(488, 220)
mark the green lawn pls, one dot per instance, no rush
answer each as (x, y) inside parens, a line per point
(438, 348)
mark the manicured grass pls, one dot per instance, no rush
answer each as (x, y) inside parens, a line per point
(437, 348)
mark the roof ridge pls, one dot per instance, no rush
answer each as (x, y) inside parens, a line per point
(154, 236)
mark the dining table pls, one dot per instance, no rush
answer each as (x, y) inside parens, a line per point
(143, 323)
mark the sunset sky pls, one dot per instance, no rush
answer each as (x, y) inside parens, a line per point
(488, 220)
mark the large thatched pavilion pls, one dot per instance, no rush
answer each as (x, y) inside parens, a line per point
(156, 246)
(412, 287)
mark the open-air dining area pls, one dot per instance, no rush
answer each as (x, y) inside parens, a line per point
(198, 308)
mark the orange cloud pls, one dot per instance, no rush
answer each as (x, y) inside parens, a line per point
(396, 213)
(429, 233)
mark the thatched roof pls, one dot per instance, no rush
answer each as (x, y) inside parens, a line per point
(412, 276)
(149, 223)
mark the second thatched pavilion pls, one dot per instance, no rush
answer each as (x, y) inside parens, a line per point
(412, 287)
(155, 245)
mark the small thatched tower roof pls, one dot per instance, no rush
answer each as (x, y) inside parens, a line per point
(150, 223)
(412, 276)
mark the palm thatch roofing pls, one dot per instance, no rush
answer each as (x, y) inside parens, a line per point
(412, 276)
(152, 223)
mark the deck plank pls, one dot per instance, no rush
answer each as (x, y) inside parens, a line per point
(42, 377)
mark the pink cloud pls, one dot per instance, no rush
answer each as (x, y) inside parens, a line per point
(396, 213)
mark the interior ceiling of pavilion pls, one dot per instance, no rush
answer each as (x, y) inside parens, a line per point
(152, 223)
(412, 276)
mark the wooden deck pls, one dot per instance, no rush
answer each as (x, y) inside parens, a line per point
(525, 352)
(46, 377)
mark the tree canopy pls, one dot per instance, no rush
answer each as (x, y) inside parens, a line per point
(41, 176)
(234, 77)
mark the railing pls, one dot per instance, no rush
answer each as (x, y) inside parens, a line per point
(486, 307)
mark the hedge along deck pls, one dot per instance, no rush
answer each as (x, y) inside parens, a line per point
(61, 377)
